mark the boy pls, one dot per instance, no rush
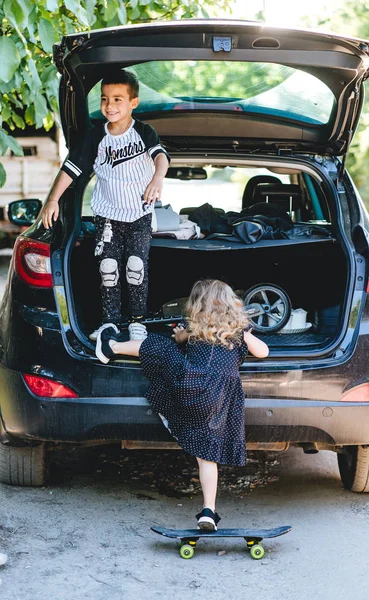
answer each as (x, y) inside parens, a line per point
(130, 165)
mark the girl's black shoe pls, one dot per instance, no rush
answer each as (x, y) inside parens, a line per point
(207, 520)
(103, 350)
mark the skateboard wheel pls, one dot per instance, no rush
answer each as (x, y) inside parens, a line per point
(187, 551)
(257, 551)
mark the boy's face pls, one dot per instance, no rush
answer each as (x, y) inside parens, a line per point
(116, 104)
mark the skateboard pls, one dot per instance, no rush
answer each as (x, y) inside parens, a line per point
(253, 537)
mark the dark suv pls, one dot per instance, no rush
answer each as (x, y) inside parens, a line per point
(258, 122)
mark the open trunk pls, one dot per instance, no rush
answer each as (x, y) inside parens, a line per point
(306, 260)
(313, 273)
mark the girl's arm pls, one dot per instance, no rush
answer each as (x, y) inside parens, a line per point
(257, 347)
(180, 335)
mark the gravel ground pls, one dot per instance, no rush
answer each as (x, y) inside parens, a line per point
(88, 534)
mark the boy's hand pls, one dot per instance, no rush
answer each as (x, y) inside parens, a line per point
(153, 190)
(50, 213)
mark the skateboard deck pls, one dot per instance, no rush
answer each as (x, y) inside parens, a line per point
(253, 537)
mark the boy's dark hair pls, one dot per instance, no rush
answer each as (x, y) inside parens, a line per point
(125, 77)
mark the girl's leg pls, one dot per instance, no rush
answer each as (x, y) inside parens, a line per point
(108, 347)
(208, 475)
(130, 348)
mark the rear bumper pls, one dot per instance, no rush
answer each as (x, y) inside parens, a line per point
(87, 420)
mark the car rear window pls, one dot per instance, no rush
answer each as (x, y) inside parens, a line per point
(222, 187)
(255, 88)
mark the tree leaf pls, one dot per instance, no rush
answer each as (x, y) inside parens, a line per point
(10, 7)
(122, 14)
(28, 91)
(2, 175)
(10, 58)
(111, 10)
(6, 141)
(29, 115)
(90, 8)
(52, 5)
(6, 113)
(48, 35)
(41, 109)
(48, 122)
(18, 121)
(77, 9)
(36, 81)
(134, 14)
(49, 74)
(14, 13)
(19, 13)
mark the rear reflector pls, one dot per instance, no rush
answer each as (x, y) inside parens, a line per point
(32, 262)
(359, 393)
(48, 388)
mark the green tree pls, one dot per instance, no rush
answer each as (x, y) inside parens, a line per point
(350, 18)
(356, 13)
(29, 28)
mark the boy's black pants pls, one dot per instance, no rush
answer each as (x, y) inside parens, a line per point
(122, 250)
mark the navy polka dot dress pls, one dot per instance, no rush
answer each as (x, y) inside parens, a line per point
(198, 390)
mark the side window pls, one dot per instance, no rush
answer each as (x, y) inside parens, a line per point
(317, 200)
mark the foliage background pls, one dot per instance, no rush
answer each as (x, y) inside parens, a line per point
(29, 28)
(29, 80)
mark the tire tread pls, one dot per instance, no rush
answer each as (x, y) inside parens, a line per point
(361, 479)
(23, 466)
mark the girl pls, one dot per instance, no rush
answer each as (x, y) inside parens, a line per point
(195, 384)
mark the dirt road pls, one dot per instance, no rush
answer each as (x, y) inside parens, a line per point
(87, 535)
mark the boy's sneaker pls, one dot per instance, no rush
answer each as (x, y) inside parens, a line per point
(207, 520)
(103, 349)
(137, 331)
(94, 334)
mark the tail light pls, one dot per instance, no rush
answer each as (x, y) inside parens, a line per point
(360, 393)
(32, 262)
(48, 388)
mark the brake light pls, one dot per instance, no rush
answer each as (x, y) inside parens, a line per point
(32, 262)
(42, 386)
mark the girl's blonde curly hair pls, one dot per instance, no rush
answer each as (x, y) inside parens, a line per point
(215, 314)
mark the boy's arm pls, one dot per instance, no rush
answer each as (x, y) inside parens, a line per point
(155, 187)
(50, 211)
(80, 158)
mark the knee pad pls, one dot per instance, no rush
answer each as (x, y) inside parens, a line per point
(109, 272)
(135, 270)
